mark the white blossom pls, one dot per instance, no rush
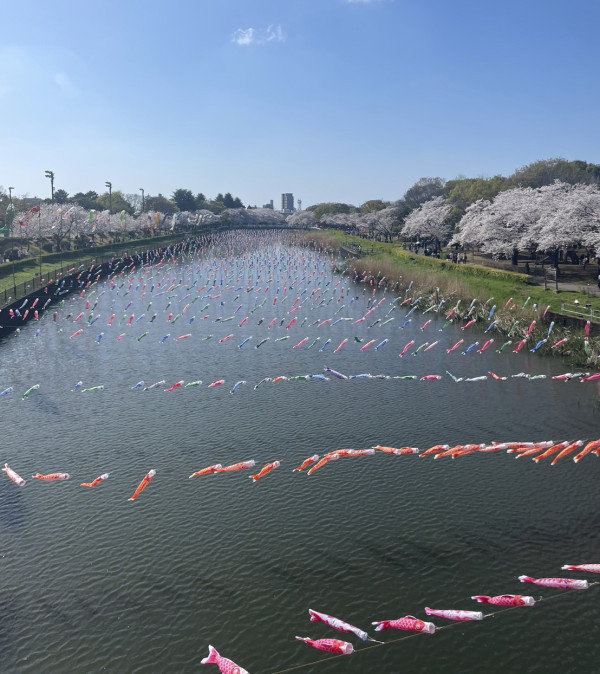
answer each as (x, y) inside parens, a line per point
(301, 219)
(550, 217)
(430, 221)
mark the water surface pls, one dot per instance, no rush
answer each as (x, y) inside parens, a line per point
(93, 582)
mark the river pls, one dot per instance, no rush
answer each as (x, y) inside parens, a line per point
(94, 582)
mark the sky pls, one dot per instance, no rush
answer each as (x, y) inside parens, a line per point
(331, 100)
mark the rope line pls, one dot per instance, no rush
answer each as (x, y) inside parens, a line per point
(561, 593)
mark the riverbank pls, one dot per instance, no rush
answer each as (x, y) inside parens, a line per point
(520, 309)
(30, 274)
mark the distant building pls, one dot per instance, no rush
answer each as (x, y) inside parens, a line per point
(269, 205)
(287, 203)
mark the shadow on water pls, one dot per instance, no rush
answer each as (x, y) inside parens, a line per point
(12, 510)
(45, 405)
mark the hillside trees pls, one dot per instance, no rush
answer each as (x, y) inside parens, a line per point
(423, 190)
(184, 200)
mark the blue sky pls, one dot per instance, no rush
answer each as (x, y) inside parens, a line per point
(333, 100)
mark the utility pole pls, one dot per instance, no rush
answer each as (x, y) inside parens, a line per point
(10, 214)
(142, 191)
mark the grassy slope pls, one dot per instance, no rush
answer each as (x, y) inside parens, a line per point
(25, 273)
(463, 280)
(435, 279)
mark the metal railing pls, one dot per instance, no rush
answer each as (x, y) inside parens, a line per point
(52, 277)
(586, 313)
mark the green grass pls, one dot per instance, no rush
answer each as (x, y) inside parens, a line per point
(24, 274)
(468, 280)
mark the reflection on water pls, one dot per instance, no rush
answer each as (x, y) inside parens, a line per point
(93, 582)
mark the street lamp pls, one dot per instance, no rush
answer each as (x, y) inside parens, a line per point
(109, 185)
(50, 174)
(10, 214)
(40, 235)
(142, 191)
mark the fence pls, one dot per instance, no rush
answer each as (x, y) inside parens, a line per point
(586, 313)
(50, 277)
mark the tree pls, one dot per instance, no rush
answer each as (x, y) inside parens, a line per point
(388, 221)
(4, 201)
(254, 217)
(134, 201)
(216, 207)
(470, 227)
(547, 171)
(266, 216)
(551, 218)
(205, 216)
(402, 209)
(87, 200)
(300, 219)
(348, 221)
(462, 192)
(568, 216)
(160, 203)
(331, 209)
(228, 200)
(373, 206)
(430, 221)
(61, 196)
(184, 200)
(117, 201)
(501, 226)
(200, 200)
(423, 190)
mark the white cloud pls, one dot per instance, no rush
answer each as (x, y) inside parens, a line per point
(244, 37)
(65, 85)
(275, 34)
(253, 36)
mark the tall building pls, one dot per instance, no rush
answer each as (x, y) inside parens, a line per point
(287, 202)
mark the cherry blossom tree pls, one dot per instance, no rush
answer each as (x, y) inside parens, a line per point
(206, 217)
(569, 216)
(470, 226)
(301, 219)
(502, 226)
(266, 216)
(343, 221)
(252, 217)
(387, 222)
(551, 217)
(429, 221)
